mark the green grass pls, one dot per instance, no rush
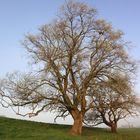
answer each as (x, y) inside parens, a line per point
(12, 129)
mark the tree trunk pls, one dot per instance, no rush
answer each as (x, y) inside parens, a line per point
(114, 128)
(77, 125)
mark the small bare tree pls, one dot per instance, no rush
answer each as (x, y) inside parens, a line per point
(71, 52)
(113, 99)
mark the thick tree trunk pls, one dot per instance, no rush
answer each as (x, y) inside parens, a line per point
(77, 125)
(113, 128)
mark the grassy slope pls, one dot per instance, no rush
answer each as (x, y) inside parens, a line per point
(11, 129)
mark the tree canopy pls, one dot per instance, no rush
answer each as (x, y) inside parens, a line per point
(114, 100)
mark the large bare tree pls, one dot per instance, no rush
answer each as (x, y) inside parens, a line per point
(70, 53)
(114, 100)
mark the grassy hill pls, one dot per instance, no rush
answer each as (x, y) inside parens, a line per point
(12, 129)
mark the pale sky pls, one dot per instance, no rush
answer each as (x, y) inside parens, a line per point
(19, 17)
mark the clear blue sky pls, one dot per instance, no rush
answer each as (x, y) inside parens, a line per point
(19, 17)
